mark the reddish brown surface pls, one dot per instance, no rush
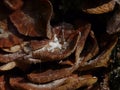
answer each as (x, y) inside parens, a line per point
(7, 39)
(35, 23)
(14, 4)
(77, 60)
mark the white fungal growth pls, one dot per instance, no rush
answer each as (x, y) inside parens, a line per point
(55, 44)
(65, 45)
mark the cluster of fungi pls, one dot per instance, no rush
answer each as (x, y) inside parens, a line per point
(38, 55)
